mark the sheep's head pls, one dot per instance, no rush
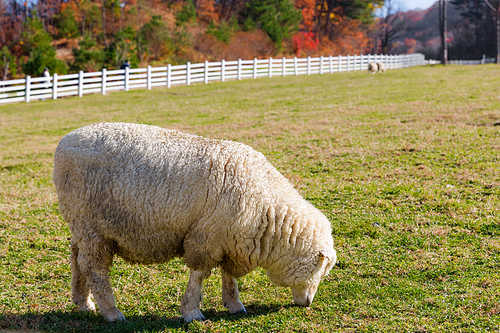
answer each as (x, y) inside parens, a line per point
(304, 274)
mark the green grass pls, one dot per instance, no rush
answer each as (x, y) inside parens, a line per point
(405, 165)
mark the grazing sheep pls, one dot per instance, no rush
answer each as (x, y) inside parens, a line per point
(381, 67)
(150, 194)
(372, 67)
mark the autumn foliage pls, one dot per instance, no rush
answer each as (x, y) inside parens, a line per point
(92, 34)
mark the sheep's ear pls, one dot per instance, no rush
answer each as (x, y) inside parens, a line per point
(325, 253)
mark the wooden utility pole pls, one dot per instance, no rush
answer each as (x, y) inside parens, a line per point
(443, 30)
(497, 12)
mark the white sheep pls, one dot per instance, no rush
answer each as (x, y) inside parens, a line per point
(372, 67)
(150, 194)
(381, 67)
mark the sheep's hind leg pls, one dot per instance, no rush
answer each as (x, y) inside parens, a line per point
(230, 295)
(79, 289)
(95, 265)
(193, 297)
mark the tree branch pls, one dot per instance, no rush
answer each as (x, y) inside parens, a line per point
(489, 5)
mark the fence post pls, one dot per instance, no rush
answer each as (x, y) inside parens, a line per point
(206, 72)
(308, 65)
(149, 77)
(330, 59)
(103, 81)
(28, 88)
(283, 66)
(127, 73)
(169, 75)
(54, 86)
(223, 70)
(239, 69)
(254, 68)
(321, 65)
(270, 67)
(348, 63)
(80, 84)
(340, 63)
(188, 73)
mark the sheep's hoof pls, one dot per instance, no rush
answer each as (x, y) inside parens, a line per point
(236, 308)
(115, 315)
(88, 306)
(190, 315)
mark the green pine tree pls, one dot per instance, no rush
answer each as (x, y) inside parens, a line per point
(278, 18)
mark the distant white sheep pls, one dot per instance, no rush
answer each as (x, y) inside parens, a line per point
(150, 194)
(372, 67)
(381, 67)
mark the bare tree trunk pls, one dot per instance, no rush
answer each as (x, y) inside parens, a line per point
(443, 27)
(104, 22)
(497, 10)
(476, 16)
(6, 69)
(498, 34)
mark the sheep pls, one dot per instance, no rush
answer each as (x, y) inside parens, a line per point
(372, 67)
(149, 194)
(381, 67)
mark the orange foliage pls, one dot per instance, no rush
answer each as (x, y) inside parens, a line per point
(244, 45)
(206, 10)
(308, 13)
(411, 45)
(350, 39)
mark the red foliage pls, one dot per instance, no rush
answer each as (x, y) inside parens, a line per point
(305, 41)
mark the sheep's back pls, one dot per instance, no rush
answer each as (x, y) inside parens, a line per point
(143, 188)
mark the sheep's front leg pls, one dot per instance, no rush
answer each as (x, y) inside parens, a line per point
(193, 297)
(230, 296)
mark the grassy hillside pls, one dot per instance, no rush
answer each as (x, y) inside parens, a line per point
(404, 164)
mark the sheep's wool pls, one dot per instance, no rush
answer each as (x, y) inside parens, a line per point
(150, 194)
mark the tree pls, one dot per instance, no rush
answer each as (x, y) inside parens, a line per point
(122, 48)
(186, 14)
(154, 36)
(7, 63)
(66, 23)
(389, 25)
(495, 7)
(278, 18)
(88, 56)
(37, 44)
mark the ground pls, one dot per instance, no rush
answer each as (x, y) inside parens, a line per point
(405, 165)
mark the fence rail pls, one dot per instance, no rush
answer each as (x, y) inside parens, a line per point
(105, 81)
(482, 61)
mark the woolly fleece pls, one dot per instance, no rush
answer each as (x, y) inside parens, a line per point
(149, 194)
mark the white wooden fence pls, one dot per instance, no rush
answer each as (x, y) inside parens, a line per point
(30, 89)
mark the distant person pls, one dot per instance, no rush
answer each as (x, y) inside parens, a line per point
(46, 75)
(125, 65)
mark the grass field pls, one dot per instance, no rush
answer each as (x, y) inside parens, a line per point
(405, 165)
